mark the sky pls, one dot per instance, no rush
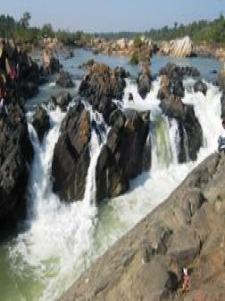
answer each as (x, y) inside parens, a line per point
(113, 15)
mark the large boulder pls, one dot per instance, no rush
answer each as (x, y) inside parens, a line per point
(15, 156)
(100, 86)
(117, 163)
(190, 132)
(187, 230)
(71, 155)
(41, 122)
(178, 48)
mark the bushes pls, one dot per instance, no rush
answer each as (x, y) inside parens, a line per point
(134, 60)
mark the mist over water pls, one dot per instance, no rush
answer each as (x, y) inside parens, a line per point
(61, 240)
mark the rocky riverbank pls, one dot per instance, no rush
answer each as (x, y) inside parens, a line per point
(187, 230)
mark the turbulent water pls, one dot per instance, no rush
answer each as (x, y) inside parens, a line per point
(58, 242)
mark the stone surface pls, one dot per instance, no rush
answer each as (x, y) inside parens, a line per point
(186, 230)
(41, 122)
(178, 48)
(71, 155)
(16, 153)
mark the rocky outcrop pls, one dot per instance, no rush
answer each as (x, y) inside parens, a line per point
(177, 72)
(190, 132)
(100, 86)
(21, 74)
(71, 155)
(51, 64)
(178, 48)
(144, 81)
(41, 122)
(15, 156)
(187, 230)
(64, 80)
(118, 163)
(199, 86)
(62, 100)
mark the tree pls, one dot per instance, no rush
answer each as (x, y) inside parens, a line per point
(25, 20)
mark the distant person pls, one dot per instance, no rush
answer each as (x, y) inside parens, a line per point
(221, 140)
(186, 281)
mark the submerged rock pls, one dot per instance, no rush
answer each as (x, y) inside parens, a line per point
(16, 153)
(41, 122)
(71, 155)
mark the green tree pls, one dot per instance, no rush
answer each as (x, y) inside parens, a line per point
(25, 20)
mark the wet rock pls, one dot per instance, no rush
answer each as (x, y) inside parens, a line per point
(64, 80)
(199, 86)
(176, 72)
(71, 155)
(118, 163)
(62, 100)
(144, 81)
(190, 132)
(100, 86)
(41, 122)
(51, 65)
(16, 153)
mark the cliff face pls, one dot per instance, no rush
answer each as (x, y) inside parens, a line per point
(187, 230)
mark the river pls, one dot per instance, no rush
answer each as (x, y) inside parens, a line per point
(57, 241)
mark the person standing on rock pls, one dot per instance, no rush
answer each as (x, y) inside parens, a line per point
(186, 281)
(221, 140)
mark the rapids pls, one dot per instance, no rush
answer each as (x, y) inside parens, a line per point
(58, 241)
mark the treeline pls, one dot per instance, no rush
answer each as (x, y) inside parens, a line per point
(201, 31)
(21, 31)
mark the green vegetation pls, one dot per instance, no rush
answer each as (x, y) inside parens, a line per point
(201, 31)
(134, 60)
(22, 32)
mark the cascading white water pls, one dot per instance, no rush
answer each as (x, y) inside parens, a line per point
(57, 244)
(62, 240)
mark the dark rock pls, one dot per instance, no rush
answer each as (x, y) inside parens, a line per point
(41, 122)
(175, 72)
(121, 72)
(100, 86)
(144, 81)
(71, 155)
(118, 163)
(64, 80)
(199, 86)
(190, 132)
(16, 153)
(62, 100)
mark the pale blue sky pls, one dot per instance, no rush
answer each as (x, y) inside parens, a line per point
(113, 15)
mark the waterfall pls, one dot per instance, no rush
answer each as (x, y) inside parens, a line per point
(59, 236)
(62, 240)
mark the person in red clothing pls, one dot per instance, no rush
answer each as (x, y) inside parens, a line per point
(186, 281)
